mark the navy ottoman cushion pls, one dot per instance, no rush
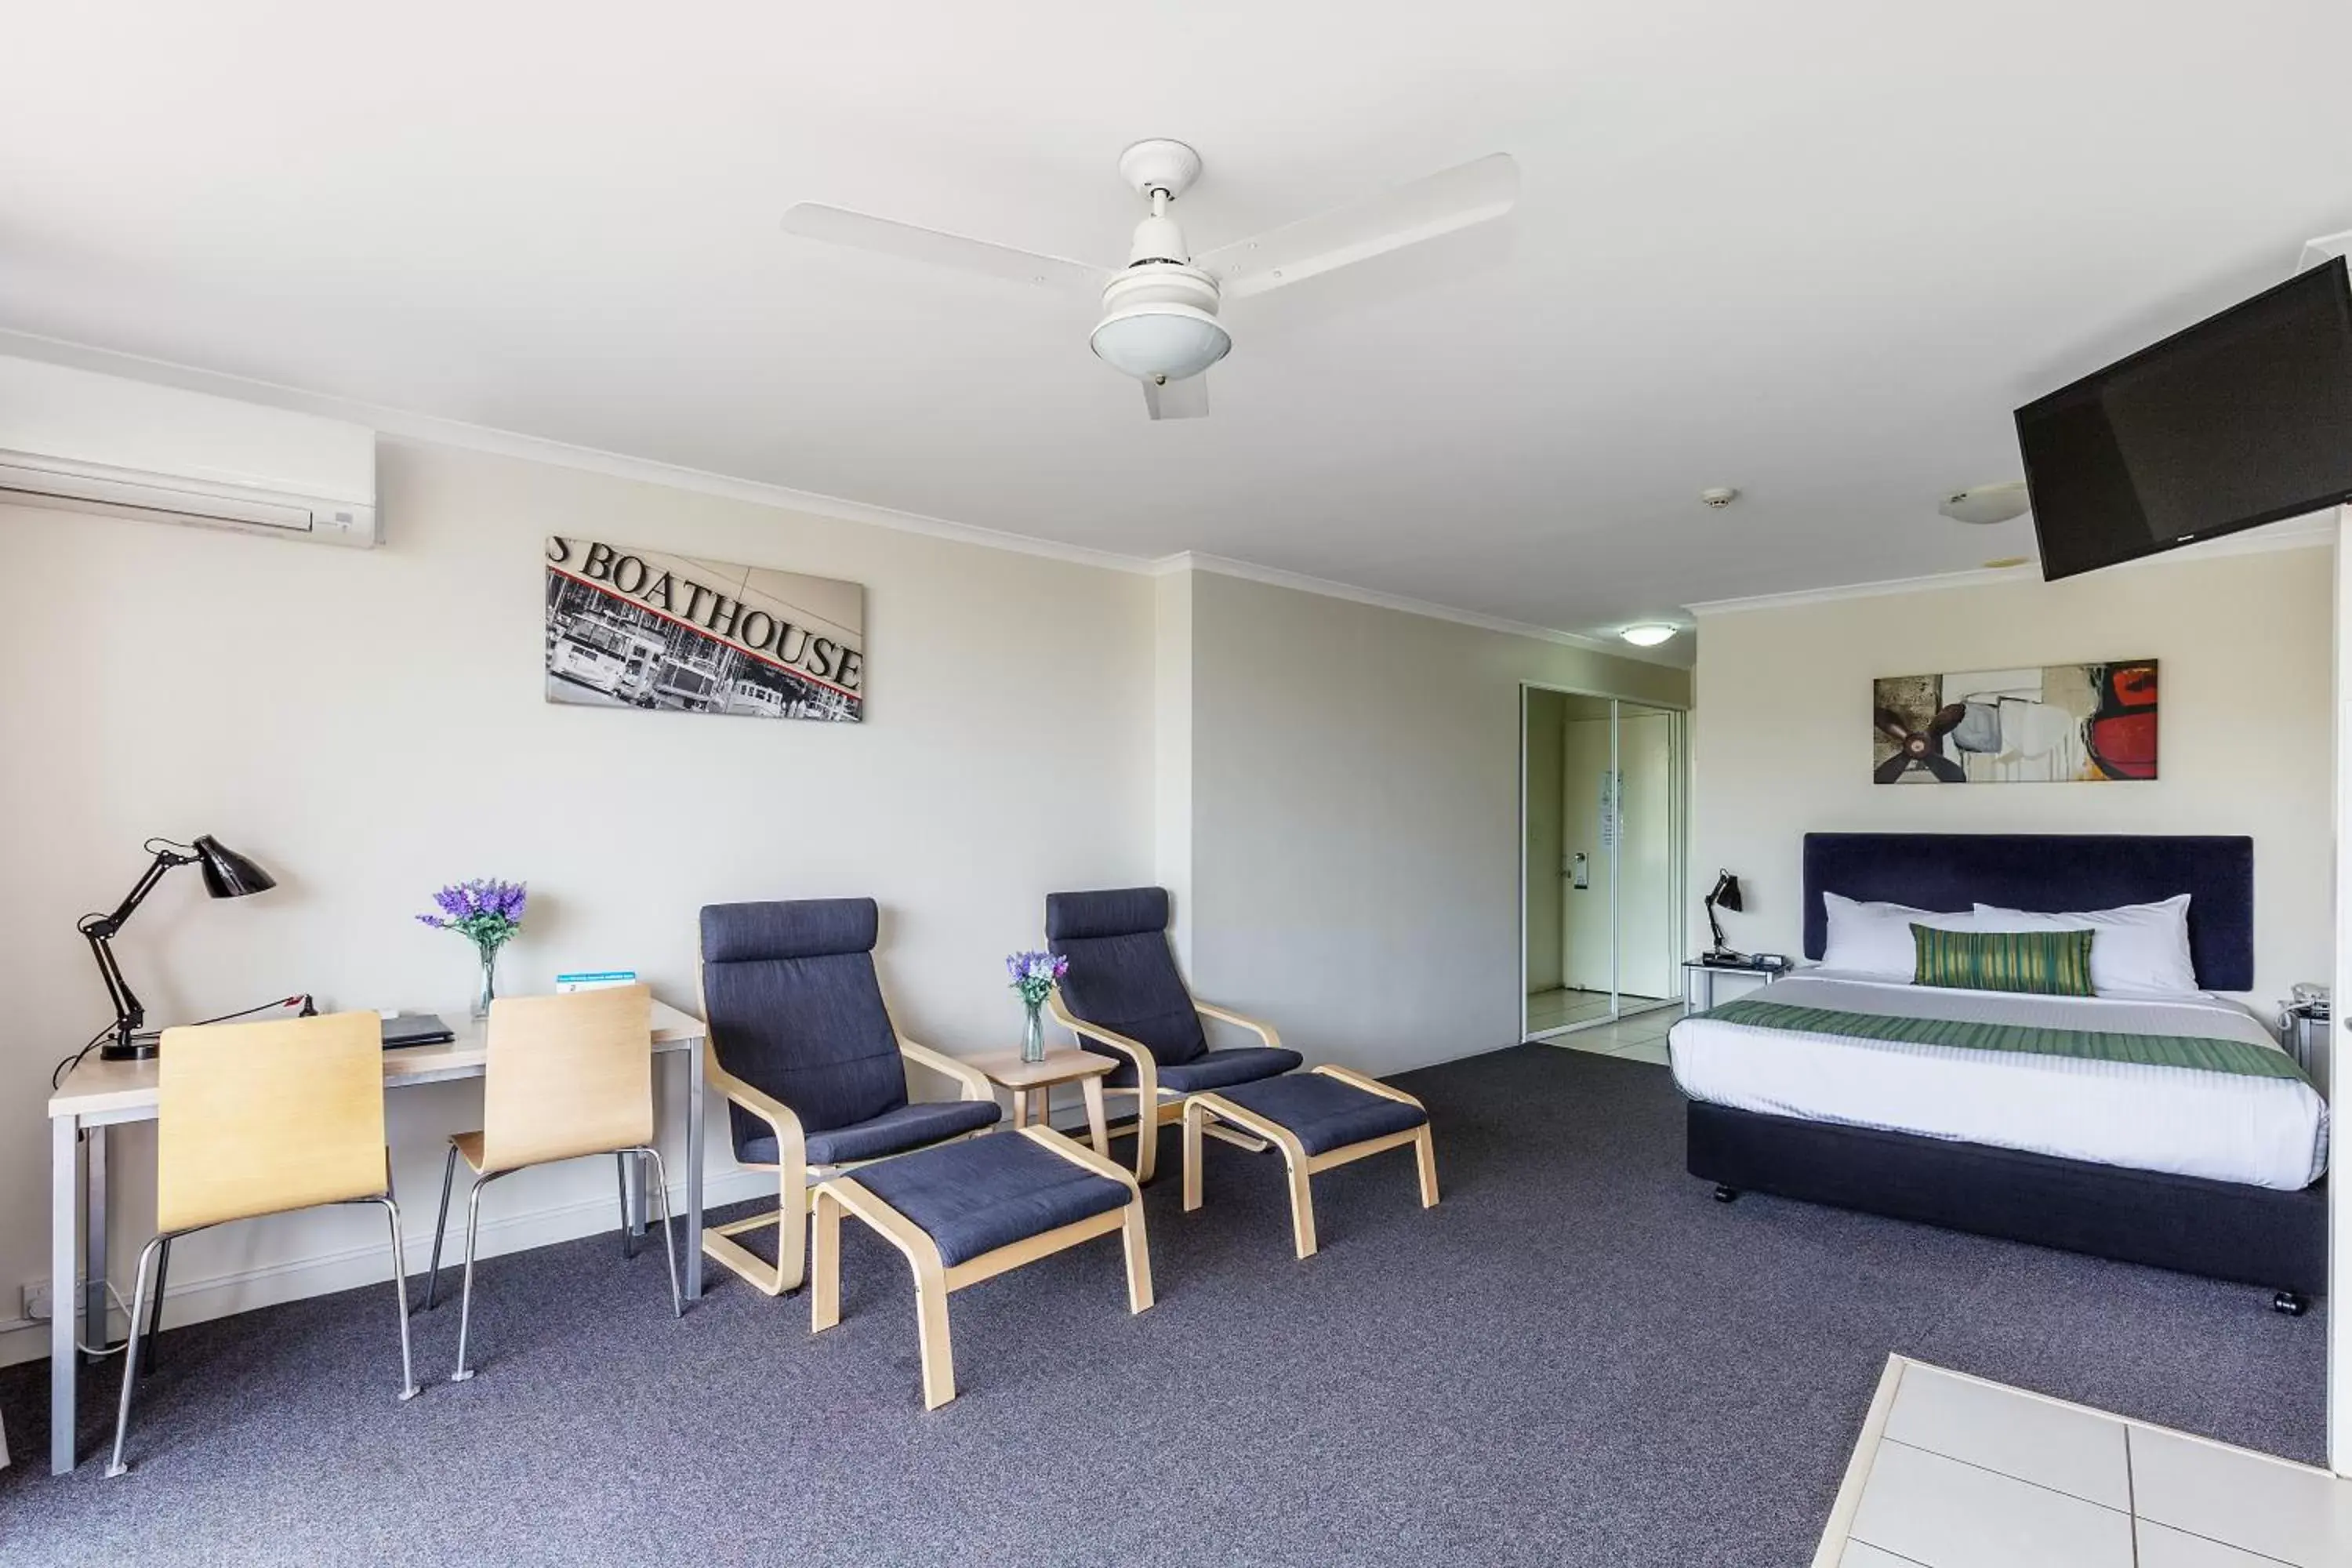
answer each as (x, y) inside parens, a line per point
(1323, 1112)
(986, 1193)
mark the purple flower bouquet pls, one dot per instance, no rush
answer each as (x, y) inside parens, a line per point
(488, 913)
(1034, 974)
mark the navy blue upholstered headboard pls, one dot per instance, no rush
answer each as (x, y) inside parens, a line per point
(2049, 873)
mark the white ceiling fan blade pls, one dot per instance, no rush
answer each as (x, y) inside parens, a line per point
(1456, 198)
(857, 231)
(1185, 399)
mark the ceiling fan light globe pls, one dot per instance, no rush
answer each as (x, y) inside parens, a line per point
(1160, 342)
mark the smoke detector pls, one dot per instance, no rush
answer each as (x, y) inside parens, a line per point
(1720, 497)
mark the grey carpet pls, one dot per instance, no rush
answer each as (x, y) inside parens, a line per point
(1577, 1358)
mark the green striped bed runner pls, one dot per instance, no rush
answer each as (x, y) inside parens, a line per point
(2198, 1053)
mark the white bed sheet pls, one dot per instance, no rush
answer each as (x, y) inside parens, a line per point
(2266, 1132)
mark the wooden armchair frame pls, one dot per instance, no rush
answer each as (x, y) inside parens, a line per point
(1155, 1107)
(797, 1180)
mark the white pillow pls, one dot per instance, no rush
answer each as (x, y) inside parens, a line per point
(1876, 939)
(2139, 948)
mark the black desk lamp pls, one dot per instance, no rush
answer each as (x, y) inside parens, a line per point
(1726, 896)
(227, 875)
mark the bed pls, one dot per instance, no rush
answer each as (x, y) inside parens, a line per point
(2167, 1161)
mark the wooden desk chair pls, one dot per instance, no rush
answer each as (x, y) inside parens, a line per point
(813, 1071)
(567, 1076)
(1124, 998)
(261, 1119)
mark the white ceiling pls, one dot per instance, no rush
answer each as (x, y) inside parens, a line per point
(1815, 249)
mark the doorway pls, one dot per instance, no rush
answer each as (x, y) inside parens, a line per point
(1602, 809)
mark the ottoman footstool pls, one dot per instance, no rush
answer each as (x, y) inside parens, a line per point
(962, 1213)
(1324, 1117)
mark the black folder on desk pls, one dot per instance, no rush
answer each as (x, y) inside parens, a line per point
(415, 1029)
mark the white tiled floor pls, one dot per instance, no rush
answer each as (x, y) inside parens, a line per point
(1550, 1009)
(1642, 1037)
(1953, 1472)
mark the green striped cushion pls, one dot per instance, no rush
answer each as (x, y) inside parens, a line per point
(2050, 962)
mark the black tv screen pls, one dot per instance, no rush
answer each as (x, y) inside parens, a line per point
(2239, 420)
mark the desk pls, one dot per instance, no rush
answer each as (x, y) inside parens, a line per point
(100, 1095)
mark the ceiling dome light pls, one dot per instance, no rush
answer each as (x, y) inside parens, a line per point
(1160, 342)
(1159, 321)
(1649, 634)
(1984, 505)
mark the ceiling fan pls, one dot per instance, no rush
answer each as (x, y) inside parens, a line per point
(1159, 320)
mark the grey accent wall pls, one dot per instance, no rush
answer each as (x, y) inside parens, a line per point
(1355, 844)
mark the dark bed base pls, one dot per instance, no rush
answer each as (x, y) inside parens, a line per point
(2257, 1236)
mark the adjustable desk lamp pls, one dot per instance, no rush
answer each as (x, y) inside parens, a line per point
(1725, 896)
(227, 875)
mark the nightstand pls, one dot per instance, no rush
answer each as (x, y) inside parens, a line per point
(2301, 1026)
(1692, 969)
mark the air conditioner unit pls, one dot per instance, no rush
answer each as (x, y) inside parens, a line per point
(74, 439)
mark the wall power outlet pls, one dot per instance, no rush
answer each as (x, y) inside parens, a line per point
(38, 1303)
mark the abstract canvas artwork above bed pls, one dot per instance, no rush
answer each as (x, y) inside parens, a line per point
(2064, 723)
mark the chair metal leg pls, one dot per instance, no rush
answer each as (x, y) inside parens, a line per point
(465, 1304)
(621, 1180)
(400, 1295)
(440, 1227)
(669, 1252)
(155, 1312)
(114, 1466)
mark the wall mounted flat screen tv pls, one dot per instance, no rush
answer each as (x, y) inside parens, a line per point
(2243, 419)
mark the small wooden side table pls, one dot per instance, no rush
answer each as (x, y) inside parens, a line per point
(1036, 1081)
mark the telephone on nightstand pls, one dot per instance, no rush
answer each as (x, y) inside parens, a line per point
(2306, 995)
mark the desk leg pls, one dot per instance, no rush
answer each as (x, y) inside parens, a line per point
(633, 1196)
(93, 1313)
(694, 1171)
(65, 1231)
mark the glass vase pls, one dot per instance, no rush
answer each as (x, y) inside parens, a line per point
(1033, 1035)
(486, 990)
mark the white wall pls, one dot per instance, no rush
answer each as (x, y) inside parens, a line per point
(1356, 853)
(1171, 749)
(1783, 747)
(371, 724)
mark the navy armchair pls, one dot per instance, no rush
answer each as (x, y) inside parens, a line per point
(815, 1074)
(1123, 997)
